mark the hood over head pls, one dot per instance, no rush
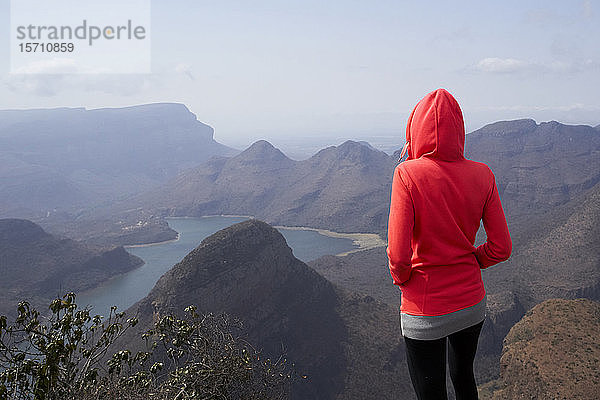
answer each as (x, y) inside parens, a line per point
(436, 128)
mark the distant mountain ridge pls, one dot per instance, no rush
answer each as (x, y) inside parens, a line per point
(557, 256)
(38, 266)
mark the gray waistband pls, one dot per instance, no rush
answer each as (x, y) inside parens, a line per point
(436, 327)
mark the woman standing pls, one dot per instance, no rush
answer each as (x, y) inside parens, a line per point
(437, 202)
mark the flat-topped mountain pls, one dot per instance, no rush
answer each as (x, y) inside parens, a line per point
(72, 157)
(553, 353)
(38, 266)
(248, 271)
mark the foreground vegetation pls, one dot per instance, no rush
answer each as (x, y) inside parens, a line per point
(67, 355)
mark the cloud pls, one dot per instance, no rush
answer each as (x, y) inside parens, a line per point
(501, 65)
(494, 65)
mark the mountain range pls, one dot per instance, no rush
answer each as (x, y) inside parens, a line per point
(340, 327)
(346, 188)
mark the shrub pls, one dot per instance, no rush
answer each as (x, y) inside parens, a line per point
(65, 356)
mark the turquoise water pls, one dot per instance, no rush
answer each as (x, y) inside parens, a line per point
(125, 290)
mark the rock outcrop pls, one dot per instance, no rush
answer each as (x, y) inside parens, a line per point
(553, 353)
(557, 256)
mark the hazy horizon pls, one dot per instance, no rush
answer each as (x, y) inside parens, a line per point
(303, 147)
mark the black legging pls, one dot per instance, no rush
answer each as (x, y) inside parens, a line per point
(427, 364)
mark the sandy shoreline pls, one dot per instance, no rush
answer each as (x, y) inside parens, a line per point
(365, 241)
(214, 215)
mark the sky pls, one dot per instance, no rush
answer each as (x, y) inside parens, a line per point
(288, 70)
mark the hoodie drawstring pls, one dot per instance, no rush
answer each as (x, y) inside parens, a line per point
(404, 150)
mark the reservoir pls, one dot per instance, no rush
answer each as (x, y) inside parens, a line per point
(125, 290)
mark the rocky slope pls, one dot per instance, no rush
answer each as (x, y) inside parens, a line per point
(553, 353)
(38, 266)
(346, 344)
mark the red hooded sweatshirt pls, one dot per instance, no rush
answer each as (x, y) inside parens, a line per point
(437, 202)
